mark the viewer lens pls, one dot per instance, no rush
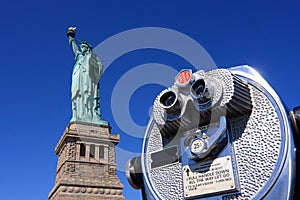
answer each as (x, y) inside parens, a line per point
(168, 98)
(198, 88)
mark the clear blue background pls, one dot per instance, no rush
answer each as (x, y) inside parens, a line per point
(36, 65)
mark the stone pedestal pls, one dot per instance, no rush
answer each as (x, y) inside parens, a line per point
(86, 167)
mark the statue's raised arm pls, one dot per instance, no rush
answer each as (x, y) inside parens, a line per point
(86, 75)
(71, 36)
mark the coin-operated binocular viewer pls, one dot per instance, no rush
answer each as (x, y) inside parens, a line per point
(222, 134)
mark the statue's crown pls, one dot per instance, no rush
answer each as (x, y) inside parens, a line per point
(86, 44)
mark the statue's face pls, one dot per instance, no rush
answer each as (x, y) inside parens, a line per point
(83, 48)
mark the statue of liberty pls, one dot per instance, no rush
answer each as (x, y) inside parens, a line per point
(86, 75)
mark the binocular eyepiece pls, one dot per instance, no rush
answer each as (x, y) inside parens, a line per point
(200, 92)
(169, 102)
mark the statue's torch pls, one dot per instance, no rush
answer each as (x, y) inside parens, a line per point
(71, 32)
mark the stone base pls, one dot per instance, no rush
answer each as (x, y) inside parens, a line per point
(86, 193)
(87, 174)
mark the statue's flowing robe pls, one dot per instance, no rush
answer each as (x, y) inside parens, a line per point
(86, 75)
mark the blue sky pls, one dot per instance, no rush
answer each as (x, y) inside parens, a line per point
(36, 65)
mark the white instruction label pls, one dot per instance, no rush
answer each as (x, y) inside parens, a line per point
(209, 177)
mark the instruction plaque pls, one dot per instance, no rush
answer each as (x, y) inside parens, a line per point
(209, 177)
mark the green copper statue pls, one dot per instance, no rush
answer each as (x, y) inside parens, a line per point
(86, 74)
